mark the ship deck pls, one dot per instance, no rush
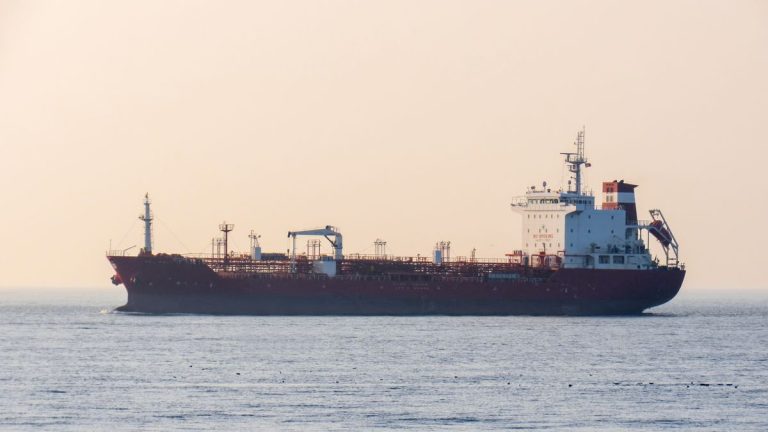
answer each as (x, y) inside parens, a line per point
(368, 267)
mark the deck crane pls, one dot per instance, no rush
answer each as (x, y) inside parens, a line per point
(327, 232)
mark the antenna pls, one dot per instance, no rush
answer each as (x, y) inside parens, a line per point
(147, 218)
(575, 161)
(226, 228)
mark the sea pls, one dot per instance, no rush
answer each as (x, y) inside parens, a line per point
(68, 362)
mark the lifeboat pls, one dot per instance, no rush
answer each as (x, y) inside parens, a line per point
(661, 233)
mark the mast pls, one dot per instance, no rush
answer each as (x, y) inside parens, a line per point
(226, 228)
(575, 161)
(147, 218)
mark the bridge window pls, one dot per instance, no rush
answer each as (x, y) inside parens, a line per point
(618, 259)
(605, 259)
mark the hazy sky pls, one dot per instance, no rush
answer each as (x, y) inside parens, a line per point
(414, 121)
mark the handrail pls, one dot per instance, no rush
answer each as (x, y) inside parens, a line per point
(233, 257)
(119, 252)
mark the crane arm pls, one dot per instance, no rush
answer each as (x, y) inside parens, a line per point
(327, 231)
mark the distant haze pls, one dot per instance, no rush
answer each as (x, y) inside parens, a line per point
(413, 121)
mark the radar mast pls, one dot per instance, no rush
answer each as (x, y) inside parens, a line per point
(575, 161)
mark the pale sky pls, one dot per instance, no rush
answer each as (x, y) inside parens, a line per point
(413, 121)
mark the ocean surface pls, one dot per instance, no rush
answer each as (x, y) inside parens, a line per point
(68, 363)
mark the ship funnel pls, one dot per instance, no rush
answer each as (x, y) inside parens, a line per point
(620, 195)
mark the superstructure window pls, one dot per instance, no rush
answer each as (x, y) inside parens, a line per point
(618, 259)
(605, 259)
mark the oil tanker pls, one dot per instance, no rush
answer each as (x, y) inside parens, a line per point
(574, 259)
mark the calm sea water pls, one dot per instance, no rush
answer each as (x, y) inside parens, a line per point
(68, 363)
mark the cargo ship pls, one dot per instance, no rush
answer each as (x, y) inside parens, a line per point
(574, 259)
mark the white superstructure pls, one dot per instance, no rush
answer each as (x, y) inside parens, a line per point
(565, 229)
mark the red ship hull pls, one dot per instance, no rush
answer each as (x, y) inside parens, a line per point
(166, 284)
